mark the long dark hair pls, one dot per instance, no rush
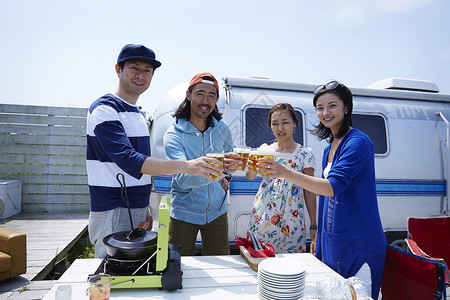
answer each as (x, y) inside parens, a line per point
(346, 96)
(184, 111)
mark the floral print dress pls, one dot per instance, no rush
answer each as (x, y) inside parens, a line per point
(279, 207)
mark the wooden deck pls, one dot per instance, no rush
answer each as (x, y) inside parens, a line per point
(48, 234)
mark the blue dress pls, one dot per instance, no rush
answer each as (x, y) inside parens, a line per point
(350, 231)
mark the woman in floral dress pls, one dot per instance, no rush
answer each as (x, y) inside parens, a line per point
(278, 210)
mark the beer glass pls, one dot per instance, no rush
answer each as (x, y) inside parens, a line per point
(264, 153)
(219, 157)
(243, 155)
(253, 156)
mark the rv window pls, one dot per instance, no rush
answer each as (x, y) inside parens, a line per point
(257, 132)
(375, 127)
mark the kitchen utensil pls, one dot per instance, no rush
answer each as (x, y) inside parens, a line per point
(123, 193)
(138, 244)
(260, 245)
(130, 245)
(255, 243)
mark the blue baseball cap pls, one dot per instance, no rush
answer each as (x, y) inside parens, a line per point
(138, 53)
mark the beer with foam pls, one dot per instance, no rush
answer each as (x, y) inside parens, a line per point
(264, 153)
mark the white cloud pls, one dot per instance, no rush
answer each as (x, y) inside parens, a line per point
(350, 12)
(359, 12)
(342, 13)
(401, 5)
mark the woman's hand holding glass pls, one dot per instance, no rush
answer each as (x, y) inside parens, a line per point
(268, 167)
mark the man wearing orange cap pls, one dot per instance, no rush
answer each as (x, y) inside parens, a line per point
(198, 204)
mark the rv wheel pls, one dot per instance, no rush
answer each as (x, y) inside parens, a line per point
(397, 239)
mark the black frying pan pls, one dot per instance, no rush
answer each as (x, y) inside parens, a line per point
(130, 245)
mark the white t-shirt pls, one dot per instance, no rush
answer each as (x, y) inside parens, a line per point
(327, 170)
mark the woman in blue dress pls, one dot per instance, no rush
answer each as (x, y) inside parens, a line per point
(350, 236)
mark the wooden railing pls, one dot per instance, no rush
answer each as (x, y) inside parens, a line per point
(45, 148)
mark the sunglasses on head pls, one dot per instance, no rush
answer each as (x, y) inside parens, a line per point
(331, 85)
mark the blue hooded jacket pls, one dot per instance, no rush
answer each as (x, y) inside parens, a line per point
(195, 199)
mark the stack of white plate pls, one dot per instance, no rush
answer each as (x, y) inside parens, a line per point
(281, 278)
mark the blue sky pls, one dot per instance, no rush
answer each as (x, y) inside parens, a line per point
(62, 53)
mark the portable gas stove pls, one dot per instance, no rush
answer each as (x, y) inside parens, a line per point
(162, 269)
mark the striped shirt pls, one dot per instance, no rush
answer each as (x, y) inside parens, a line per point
(117, 142)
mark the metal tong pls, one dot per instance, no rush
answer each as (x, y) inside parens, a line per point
(256, 243)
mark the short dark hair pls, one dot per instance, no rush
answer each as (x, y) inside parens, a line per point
(184, 111)
(343, 93)
(122, 64)
(282, 106)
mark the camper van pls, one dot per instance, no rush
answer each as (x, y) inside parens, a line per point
(405, 119)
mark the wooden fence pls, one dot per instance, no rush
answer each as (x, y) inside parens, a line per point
(45, 147)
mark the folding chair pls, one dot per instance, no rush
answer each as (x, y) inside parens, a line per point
(430, 238)
(409, 276)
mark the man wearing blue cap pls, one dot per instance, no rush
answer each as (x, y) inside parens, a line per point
(118, 142)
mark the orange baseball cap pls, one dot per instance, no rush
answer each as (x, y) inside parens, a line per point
(204, 78)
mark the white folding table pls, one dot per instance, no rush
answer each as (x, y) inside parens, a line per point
(204, 277)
